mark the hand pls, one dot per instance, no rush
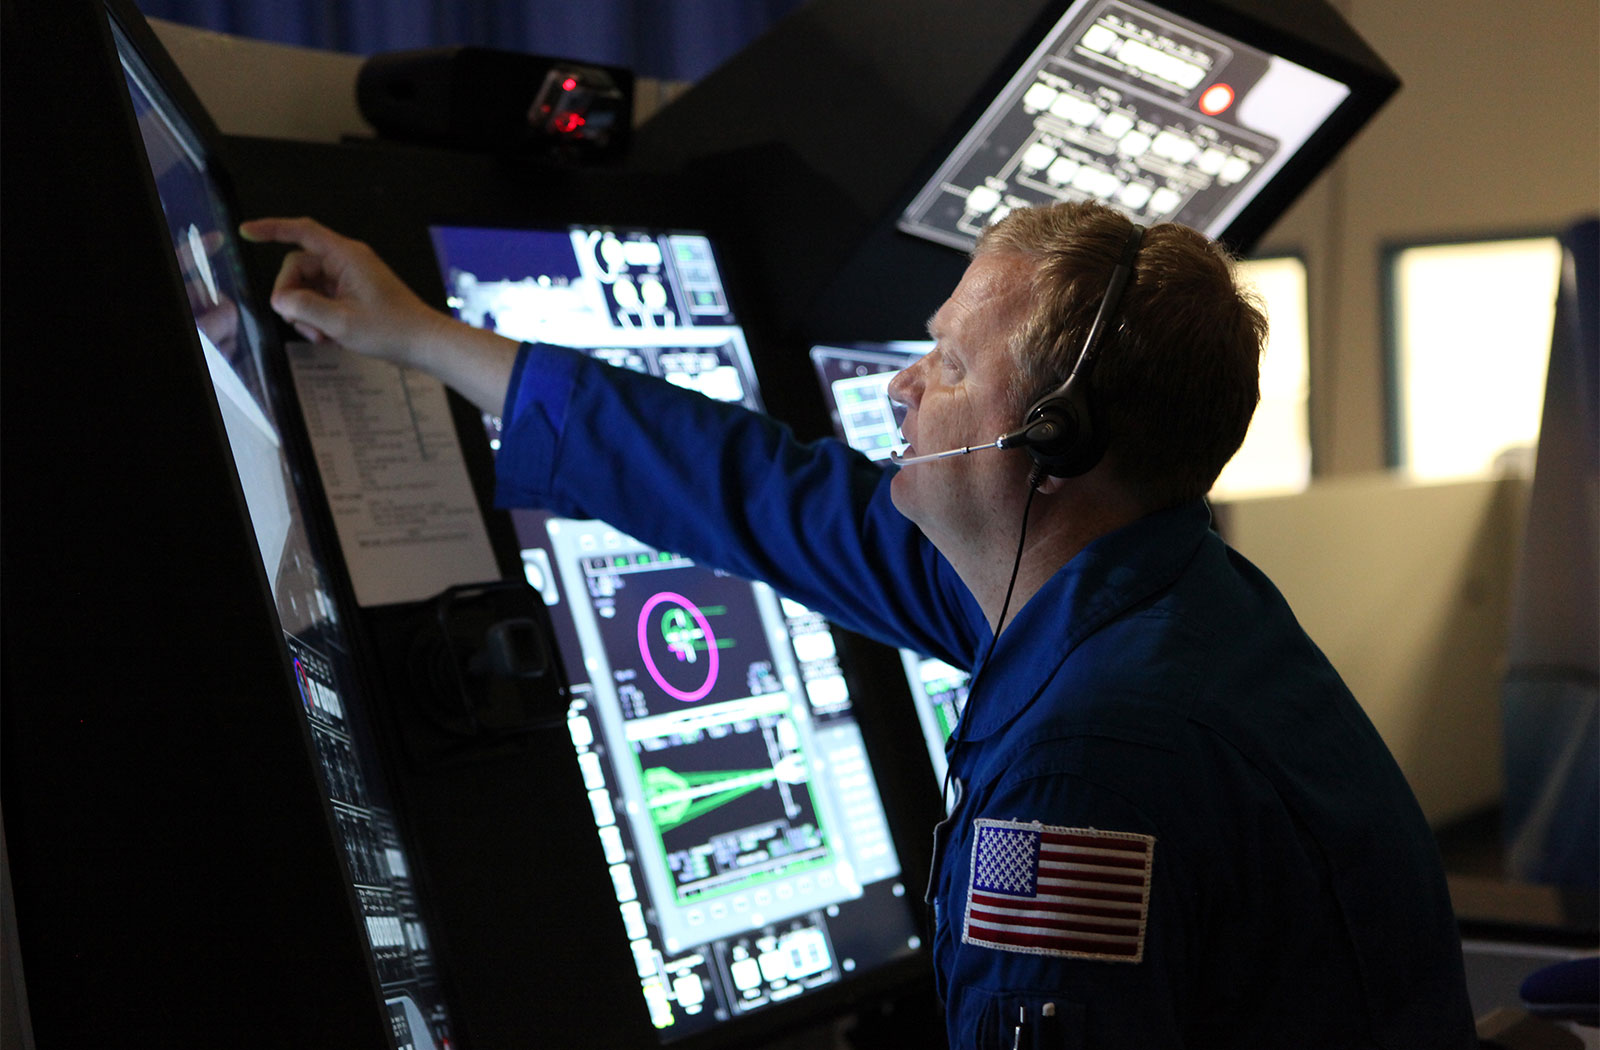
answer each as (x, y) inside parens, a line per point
(331, 287)
(334, 288)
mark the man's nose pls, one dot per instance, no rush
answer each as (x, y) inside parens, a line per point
(906, 386)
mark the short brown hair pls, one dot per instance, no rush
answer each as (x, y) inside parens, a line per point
(1177, 380)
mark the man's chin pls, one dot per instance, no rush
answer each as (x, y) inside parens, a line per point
(901, 496)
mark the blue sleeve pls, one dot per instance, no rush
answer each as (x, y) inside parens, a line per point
(732, 489)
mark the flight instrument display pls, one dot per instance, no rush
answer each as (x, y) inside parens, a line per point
(1133, 106)
(731, 790)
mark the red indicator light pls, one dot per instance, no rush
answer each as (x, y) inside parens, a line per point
(569, 84)
(1217, 98)
(567, 123)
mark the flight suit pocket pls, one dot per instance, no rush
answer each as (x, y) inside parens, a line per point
(1025, 1021)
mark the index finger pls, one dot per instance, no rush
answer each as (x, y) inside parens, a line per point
(308, 233)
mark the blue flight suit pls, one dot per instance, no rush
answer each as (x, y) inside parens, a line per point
(1241, 861)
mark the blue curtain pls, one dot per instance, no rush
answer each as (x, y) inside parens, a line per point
(676, 40)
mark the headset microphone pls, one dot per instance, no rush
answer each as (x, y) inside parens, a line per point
(905, 461)
(1039, 431)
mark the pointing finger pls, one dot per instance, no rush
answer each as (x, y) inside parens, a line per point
(308, 233)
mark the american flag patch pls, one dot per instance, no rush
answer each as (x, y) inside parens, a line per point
(1074, 892)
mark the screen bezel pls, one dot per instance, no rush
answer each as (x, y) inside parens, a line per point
(169, 842)
(160, 74)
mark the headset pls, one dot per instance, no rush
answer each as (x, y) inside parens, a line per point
(1060, 431)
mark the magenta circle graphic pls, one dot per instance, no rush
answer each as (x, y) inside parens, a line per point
(705, 630)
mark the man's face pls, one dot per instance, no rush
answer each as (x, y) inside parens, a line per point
(959, 394)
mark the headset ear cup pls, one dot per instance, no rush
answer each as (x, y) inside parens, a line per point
(1077, 443)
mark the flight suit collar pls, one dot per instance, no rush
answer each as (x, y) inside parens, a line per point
(1104, 580)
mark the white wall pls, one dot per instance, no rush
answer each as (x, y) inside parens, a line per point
(1407, 590)
(1496, 129)
(251, 87)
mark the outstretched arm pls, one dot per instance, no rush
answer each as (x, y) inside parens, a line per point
(331, 287)
(678, 470)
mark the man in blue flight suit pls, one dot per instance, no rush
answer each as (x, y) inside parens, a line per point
(1172, 826)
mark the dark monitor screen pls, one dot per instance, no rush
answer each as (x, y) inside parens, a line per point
(734, 798)
(855, 386)
(1127, 103)
(231, 338)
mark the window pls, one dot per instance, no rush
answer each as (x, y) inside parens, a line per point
(1470, 329)
(1276, 455)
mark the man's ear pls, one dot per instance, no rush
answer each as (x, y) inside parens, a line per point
(1100, 475)
(1049, 485)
